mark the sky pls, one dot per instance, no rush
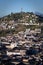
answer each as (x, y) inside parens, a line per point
(8, 6)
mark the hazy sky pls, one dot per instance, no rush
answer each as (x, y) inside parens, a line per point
(8, 6)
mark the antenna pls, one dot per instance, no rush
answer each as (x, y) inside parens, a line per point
(21, 9)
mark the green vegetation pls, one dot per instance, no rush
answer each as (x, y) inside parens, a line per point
(5, 32)
(17, 16)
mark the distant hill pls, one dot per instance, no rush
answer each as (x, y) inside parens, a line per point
(39, 14)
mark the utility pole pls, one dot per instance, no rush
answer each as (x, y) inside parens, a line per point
(21, 12)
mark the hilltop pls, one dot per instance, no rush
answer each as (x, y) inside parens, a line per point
(26, 16)
(15, 22)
